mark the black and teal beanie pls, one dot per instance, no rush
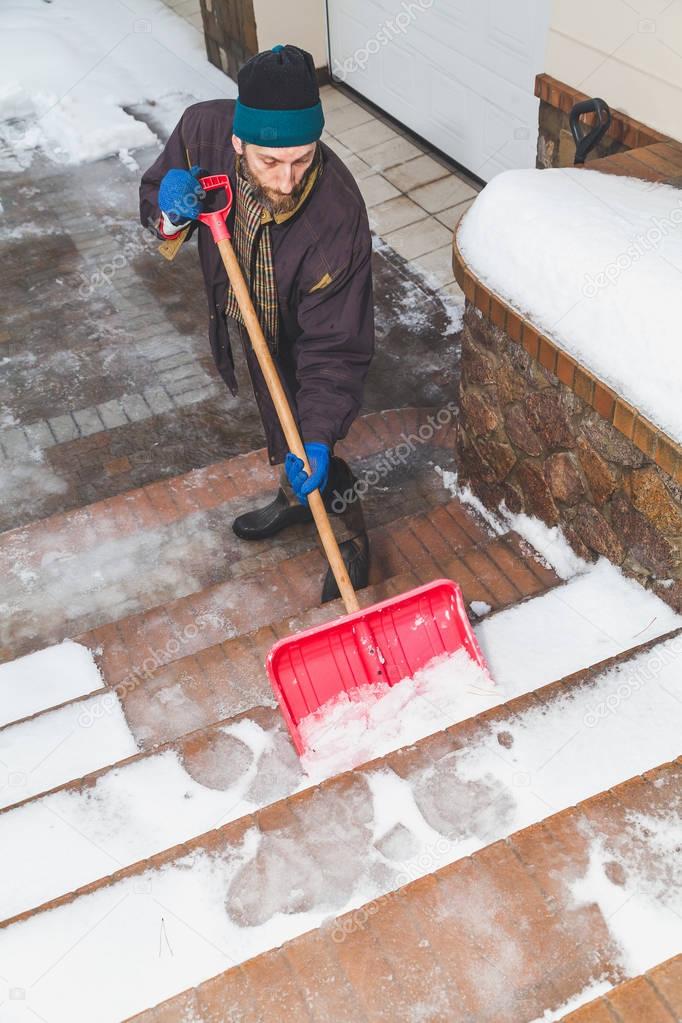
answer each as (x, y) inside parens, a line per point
(279, 99)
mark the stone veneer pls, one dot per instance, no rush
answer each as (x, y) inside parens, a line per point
(229, 33)
(556, 147)
(529, 440)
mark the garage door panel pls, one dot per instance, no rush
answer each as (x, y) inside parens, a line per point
(451, 107)
(399, 73)
(460, 74)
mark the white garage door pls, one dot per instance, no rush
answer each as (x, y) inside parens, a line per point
(460, 73)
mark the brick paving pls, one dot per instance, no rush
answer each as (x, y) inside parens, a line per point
(498, 573)
(427, 757)
(108, 382)
(173, 539)
(449, 942)
(655, 997)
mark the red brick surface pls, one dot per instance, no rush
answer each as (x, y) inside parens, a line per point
(484, 940)
(656, 997)
(499, 571)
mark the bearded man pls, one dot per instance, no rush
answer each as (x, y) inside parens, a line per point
(301, 235)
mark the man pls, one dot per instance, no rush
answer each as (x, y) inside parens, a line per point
(301, 235)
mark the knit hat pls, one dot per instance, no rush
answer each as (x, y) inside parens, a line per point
(279, 100)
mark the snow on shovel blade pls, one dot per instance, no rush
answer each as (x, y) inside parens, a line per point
(385, 642)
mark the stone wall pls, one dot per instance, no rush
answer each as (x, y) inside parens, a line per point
(526, 439)
(556, 147)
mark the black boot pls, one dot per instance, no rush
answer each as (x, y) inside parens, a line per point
(264, 522)
(355, 554)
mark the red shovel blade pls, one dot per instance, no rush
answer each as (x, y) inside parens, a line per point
(311, 667)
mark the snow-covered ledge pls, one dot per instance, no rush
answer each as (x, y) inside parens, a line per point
(571, 361)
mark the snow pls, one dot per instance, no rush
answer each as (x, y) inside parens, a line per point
(120, 576)
(480, 608)
(548, 543)
(371, 720)
(45, 679)
(173, 927)
(28, 486)
(60, 745)
(644, 914)
(588, 994)
(592, 617)
(90, 61)
(135, 810)
(613, 278)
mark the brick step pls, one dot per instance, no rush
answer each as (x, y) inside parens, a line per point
(245, 754)
(653, 997)
(283, 861)
(497, 937)
(150, 703)
(443, 542)
(79, 570)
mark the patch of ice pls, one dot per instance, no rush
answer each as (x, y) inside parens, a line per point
(66, 588)
(29, 484)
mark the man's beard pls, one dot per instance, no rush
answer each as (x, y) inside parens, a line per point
(273, 201)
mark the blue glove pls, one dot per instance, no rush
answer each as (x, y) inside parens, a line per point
(302, 484)
(180, 194)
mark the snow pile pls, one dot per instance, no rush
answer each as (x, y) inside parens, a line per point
(548, 542)
(371, 720)
(609, 295)
(45, 679)
(89, 61)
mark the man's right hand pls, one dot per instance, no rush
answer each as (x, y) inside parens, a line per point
(181, 195)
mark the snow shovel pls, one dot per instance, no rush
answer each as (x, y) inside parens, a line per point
(385, 642)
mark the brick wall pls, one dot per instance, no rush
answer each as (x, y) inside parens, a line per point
(528, 439)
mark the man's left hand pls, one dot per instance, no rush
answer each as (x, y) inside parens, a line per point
(318, 456)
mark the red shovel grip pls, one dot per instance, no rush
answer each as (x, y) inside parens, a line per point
(216, 220)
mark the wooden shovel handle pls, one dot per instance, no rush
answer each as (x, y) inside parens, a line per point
(287, 421)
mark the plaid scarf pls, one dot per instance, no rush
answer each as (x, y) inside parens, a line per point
(253, 248)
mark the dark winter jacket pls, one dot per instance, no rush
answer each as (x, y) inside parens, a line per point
(322, 262)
